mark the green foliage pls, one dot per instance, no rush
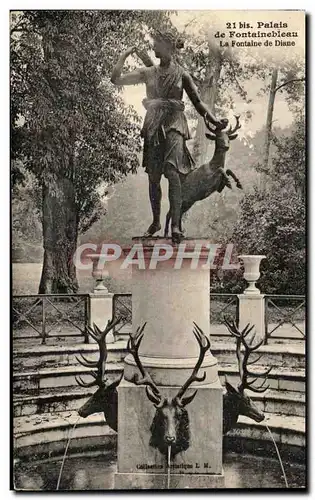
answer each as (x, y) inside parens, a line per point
(291, 82)
(26, 220)
(288, 162)
(272, 223)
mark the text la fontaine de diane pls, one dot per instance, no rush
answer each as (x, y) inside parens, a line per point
(240, 34)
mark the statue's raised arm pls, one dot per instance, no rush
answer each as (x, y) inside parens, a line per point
(134, 77)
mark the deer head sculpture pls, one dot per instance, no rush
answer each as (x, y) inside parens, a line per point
(170, 425)
(105, 399)
(236, 402)
(221, 135)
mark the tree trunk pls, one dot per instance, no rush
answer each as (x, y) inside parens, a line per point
(60, 232)
(271, 103)
(209, 93)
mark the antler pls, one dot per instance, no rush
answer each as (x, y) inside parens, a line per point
(204, 344)
(243, 361)
(237, 126)
(99, 336)
(152, 390)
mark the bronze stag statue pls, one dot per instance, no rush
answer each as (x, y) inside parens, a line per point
(170, 426)
(210, 177)
(105, 399)
(235, 401)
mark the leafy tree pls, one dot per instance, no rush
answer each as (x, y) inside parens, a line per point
(288, 79)
(26, 218)
(288, 161)
(274, 226)
(272, 222)
(69, 125)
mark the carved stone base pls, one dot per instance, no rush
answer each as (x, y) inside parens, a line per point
(172, 371)
(135, 416)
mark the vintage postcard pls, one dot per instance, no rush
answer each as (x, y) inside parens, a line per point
(158, 249)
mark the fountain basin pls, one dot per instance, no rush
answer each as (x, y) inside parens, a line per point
(95, 471)
(43, 436)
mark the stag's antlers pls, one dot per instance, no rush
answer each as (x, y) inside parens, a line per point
(231, 131)
(99, 336)
(152, 390)
(243, 359)
(204, 344)
(224, 123)
(133, 347)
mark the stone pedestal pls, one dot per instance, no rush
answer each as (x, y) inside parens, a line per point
(252, 310)
(169, 295)
(100, 311)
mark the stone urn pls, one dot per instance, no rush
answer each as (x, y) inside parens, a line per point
(252, 272)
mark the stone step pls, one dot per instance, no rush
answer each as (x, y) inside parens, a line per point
(55, 389)
(273, 402)
(280, 378)
(51, 402)
(227, 339)
(40, 357)
(35, 382)
(276, 355)
(271, 341)
(53, 340)
(285, 333)
(253, 437)
(54, 401)
(46, 435)
(64, 376)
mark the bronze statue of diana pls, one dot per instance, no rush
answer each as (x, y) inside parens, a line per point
(165, 129)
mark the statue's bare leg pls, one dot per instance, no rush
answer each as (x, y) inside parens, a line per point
(175, 199)
(155, 194)
(182, 178)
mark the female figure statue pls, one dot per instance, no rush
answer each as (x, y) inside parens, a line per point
(165, 130)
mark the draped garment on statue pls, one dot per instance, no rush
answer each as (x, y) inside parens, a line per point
(165, 129)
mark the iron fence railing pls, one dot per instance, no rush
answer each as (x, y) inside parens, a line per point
(122, 307)
(50, 315)
(284, 316)
(223, 305)
(54, 315)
